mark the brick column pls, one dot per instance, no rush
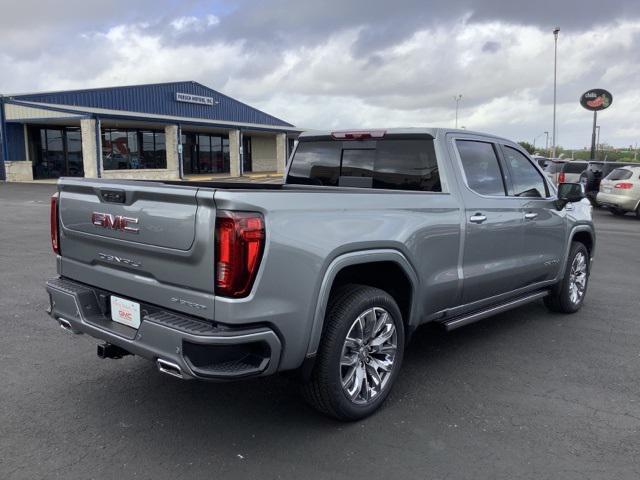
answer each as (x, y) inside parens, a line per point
(234, 153)
(281, 152)
(171, 144)
(89, 147)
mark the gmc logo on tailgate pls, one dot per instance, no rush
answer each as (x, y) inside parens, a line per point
(114, 222)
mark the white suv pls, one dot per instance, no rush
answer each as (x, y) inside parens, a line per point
(620, 191)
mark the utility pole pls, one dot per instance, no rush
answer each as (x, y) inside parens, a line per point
(457, 98)
(546, 142)
(555, 77)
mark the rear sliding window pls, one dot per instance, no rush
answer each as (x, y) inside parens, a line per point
(387, 164)
(620, 174)
(553, 167)
(574, 167)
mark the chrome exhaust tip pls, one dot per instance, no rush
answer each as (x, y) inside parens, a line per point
(67, 327)
(169, 368)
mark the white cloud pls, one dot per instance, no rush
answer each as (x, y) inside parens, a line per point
(503, 70)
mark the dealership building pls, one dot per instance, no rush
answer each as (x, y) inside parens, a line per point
(159, 131)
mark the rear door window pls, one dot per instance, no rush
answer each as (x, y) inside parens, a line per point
(620, 174)
(481, 167)
(394, 164)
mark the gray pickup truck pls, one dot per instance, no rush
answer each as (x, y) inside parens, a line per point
(373, 234)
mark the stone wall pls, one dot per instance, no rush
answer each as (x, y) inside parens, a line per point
(18, 171)
(263, 154)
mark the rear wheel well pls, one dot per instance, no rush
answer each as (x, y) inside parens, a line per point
(585, 238)
(385, 275)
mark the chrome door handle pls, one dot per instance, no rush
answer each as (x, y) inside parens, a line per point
(530, 215)
(478, 218)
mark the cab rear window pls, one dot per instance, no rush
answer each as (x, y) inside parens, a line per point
(574, 167)
(394, 164)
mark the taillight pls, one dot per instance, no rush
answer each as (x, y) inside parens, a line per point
(55, 231)
(239, 246)
(624, 185)
(358, 134)
(561, 177)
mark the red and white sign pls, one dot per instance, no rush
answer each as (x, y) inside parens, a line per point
(125, 312)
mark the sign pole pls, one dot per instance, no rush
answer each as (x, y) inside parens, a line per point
(593, 135)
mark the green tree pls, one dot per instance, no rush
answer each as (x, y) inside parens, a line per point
(527, 146)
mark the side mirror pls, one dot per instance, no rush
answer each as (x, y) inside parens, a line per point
(569, 193)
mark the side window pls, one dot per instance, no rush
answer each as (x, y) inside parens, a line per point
(481, 167)
(527, 181)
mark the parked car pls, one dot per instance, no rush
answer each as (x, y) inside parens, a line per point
(542, 161)
(552, 169)
(593, 175)
(620, 191)
(373, 234)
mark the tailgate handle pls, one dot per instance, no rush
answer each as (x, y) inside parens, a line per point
(113, 196)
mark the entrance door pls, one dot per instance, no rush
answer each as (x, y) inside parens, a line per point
(56, 152)
(189, 154)
(247, 164)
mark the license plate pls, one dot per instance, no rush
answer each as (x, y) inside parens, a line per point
(606, 189)
(125, 312)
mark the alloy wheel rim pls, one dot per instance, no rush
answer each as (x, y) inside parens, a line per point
(578, 278)
(368, 355)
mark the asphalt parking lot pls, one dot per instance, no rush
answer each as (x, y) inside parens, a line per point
(526, 394)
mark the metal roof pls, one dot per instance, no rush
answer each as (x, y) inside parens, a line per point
(157, 99)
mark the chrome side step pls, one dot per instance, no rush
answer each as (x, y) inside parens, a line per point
(474, 317)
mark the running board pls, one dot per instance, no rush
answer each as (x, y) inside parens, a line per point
(474, 317)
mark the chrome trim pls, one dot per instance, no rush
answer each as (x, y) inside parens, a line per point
(169, 368)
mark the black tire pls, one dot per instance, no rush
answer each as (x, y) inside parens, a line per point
(617, 212)
(560, 299)
(638, 211)
(324, 390)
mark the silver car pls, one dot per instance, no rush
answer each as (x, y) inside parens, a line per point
(620, 191)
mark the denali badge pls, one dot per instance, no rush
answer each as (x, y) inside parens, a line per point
(187, 303)
(114, 222)
(113, 258)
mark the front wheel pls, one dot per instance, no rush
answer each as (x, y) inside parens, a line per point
(360, 354)
(568, 295)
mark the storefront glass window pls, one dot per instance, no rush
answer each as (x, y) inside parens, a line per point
(133, 149)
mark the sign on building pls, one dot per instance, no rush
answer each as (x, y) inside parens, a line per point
(197, 99)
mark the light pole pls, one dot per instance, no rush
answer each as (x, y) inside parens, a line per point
(457, 98)
(546, 143)
(555, 76)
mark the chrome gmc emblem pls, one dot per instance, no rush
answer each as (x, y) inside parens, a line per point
(114, 222)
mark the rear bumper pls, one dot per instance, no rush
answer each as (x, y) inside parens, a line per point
(181, 346)
(617, 201)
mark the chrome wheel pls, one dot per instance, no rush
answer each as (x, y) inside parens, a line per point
(578, 278)
(368, 355)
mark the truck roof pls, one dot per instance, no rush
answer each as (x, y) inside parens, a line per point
(433, 131)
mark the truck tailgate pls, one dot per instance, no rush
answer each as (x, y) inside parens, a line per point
(143, 240)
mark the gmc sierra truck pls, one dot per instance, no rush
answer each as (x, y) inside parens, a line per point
(372, 234)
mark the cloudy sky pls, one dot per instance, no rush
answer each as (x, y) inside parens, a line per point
(347, 63)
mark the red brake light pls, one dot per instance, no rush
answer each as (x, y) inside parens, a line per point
(358, 134)
(624, 185)
(561, 177)
(239, 246)
(55, 231)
